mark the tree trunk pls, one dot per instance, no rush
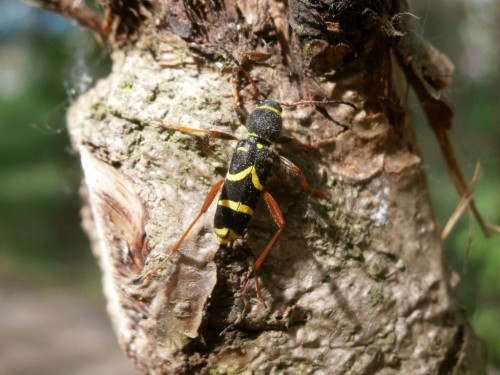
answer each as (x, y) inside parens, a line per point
(356, 284)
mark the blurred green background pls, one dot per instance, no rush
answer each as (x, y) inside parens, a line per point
(40, 56)
(46, 61)
(52, 315)
(467, 31)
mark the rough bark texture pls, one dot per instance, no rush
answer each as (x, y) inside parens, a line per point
(356, 284)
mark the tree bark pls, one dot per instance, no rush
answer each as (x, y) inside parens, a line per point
(356, 284)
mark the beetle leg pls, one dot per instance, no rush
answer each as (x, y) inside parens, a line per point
(277, 216)
(208, 201)
(296, 171)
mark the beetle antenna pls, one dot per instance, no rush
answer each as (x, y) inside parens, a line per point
(317, 102)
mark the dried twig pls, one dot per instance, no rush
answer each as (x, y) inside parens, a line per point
(462, 205)
(437, 110)
(76, 10)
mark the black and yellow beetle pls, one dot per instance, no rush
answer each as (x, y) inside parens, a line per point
(245, 180)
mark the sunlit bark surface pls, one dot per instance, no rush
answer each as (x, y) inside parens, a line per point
(357, 282)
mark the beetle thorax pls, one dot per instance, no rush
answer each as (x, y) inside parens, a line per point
(265, 120)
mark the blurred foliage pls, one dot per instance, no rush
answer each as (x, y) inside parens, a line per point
(46, 61)
(468, 33)
(40, 234)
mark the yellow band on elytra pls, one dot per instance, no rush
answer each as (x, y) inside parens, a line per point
(245, 172)
(236, 206)
(225, 235)
(240, 175)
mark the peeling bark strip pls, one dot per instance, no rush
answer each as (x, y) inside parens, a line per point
(356, 284)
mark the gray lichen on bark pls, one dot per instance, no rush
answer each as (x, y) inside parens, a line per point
(356, 284)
